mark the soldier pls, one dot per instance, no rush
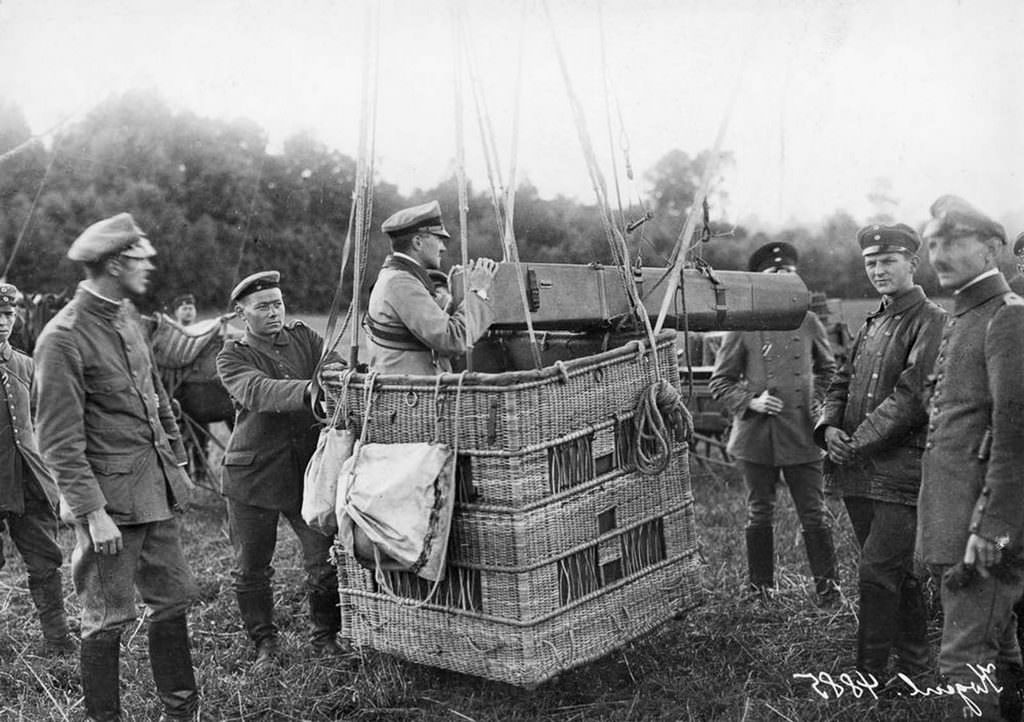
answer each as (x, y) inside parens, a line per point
(410, 331)
(28, 493)
(184, 309)
(107, 433)
(268, 373)
(1017, 282)
(772, 382)
(873, 425)
(970, 519)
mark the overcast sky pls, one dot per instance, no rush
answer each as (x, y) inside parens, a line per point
(928, 94)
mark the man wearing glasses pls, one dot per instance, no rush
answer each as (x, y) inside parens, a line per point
(773, 383)
(107, 432)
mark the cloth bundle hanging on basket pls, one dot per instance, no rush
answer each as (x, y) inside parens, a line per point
(320, 481)
(395, 502)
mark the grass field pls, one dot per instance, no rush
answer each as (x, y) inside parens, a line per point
(727, 660)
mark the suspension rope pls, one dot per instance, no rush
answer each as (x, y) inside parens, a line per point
(460, 175)
(31, 211)
(608, 116)
(684, 243)
(616, 241)
(248, 221)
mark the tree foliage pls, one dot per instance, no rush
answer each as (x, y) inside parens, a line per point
(219, 205)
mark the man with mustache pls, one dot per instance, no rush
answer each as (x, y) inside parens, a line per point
(971, 507)
(873, 425)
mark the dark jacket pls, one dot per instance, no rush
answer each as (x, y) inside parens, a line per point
(275, 431)
(18, 435)
(877, 398)
(105, 424)
(1017, 284)
(973, 464)
(796, 366)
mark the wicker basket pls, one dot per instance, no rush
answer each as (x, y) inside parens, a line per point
(560, 550)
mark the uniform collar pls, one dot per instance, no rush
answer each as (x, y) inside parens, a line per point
(89, 300)
(979, 290)
(6, 352)
(278, 339)
(900, 303)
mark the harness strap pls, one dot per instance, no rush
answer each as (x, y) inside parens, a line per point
(393, 336)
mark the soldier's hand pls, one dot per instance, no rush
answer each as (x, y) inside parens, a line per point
(106, 537)
(332, 372)
(982, 553)
(840, 448)
(481, 274)
(765, 404)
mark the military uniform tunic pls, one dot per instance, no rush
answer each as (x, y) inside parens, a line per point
(795, 366)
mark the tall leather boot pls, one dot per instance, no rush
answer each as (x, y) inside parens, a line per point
(911, 633)
(48, 596)
(821, 556)
(101, 678)
(876, 627)
(761, 560)
(325, 615)
(257, 610)
(171, 661)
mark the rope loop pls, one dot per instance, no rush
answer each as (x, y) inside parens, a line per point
(659, 417)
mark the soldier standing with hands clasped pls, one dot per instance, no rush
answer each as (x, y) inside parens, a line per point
(873, 425)
(772, 382)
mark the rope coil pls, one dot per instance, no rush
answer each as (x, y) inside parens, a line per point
(660, 416)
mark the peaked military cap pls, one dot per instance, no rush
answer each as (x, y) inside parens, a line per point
(8, 296)
(182, 299)
(953, 217)
(771, 255)
(117, 234)
(879, 238)
(256, 282)
(1018, 245)
(425, 218)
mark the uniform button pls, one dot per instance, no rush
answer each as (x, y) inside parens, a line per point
(929, 445)
(874, 376)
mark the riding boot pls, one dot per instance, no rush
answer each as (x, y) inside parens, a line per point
(761, 560)
(325, 615)
(48, 597)
(101, 679)
(821, 556)
(171, 661)
(257, 610)
(876, 627)
(911, 633)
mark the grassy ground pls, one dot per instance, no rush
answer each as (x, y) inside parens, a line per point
(728, 660)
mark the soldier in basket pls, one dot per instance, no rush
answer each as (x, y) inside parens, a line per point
(410, 328)
(1017, 282)
(183, 307)
(28, 492)
(773, 382)
(971, 509)
(873, 426)
(108, 434)
(268, 373)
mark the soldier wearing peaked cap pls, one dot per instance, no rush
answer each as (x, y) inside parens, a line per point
(970, 523)
(108, 434)
(410, 329)
(773, 382)
(873, 425)
(268, 373)
(28, 492)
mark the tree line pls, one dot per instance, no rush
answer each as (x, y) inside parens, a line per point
(219, 206)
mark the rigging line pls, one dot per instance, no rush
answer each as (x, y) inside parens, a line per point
(683, 241)
(31, 211)
(486, 130)
(608, 113)
(248, 221)
(510, 197)
(616, 241)
(32, 139)
(460, 174)
(359, 209)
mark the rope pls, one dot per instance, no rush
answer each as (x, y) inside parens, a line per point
(460, 175)
(31, 210)
(248, 221)
(659, 415)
